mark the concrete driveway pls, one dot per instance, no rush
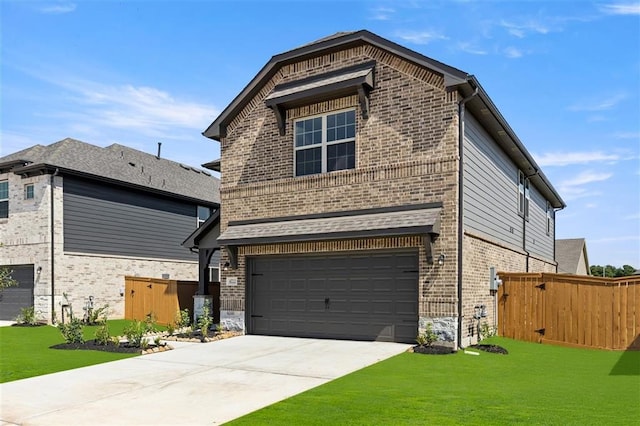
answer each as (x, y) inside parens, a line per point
(194, 384)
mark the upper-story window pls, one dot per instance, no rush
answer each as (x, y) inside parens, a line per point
(325, 143)
(4, 199)
(524, 197)
(29, 192)
(549, 224)
(203, 214)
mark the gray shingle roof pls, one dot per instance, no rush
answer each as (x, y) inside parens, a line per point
(424, 220)
(568, 254)
(120, 164)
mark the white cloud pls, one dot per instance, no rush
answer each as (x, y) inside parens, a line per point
(570, 158)
(574, 188)
(382, 13)
(512, 52)
(635, 216)
(469, 48)
(421, 37)
(59, 8)
(599, 104)
(520, 30)
(621, 8)
(627, 135)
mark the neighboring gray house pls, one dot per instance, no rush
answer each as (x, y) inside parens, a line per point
(368, 191)
(116, 211)
(572, 258)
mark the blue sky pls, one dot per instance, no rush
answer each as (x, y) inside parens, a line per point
(565, 75)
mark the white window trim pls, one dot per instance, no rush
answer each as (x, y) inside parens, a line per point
(33, 191)
(5, 199)
(548, 218)
(524, 192)
(323, 144)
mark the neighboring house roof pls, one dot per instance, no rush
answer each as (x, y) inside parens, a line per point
(117, 164)
(570, 253)
(481, 105)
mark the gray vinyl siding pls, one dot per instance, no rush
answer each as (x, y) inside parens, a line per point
(491, 196)
(104, 219)
(490, 188)
(538, 242)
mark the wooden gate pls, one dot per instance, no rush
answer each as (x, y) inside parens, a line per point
(570, 310)
(163, 298)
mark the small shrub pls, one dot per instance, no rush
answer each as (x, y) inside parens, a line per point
(97, 316)
(205, 321)
(135, 332)
(171, 328)
(27, 316)
(183, 318)
(428, 337)
(150, 323)
(72, 331)
(487, 331)
(103, 337)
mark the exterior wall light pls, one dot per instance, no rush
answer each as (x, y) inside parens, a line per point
(441, 259)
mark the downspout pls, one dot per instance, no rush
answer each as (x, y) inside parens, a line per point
(461, 110)
(53, 276)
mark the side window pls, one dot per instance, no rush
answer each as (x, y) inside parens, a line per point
(524, 197)
(549, 218)
(325, 143)
(29, 192)
(203, 214)
(4, 199)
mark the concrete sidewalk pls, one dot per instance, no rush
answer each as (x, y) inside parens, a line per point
(194, 384)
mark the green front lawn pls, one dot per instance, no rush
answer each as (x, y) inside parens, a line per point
(24, 351)
(534, 384)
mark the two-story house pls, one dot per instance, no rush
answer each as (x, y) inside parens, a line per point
(76, 218)
(367, 191)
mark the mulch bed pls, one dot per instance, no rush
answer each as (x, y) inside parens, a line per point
(495, 349)
(93, 346)
(433, 350)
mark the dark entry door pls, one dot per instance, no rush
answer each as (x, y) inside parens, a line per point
(366, 296)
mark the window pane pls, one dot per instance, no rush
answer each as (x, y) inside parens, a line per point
(4, 209)
(341, 156)
(308, 132)
(308, 161)
(4, 190)
(28, 192)
(341, 126)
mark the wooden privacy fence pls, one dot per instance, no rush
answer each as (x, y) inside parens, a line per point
(571, 310)
(163, 298)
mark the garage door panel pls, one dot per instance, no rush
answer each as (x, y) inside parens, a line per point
(14, 299)
(370, 296)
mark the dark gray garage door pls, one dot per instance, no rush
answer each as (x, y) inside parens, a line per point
(13, 299)
(372, 296)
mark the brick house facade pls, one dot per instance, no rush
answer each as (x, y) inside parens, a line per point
(401, 174)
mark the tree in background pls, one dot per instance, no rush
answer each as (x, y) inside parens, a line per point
(6, 280)
(611, 271)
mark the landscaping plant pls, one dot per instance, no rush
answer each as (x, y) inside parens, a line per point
(72, 331)
(27, 316)
(205, 321)
(183, 318)
(427, 338)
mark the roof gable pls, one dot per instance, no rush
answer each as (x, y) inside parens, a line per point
(466, 84)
